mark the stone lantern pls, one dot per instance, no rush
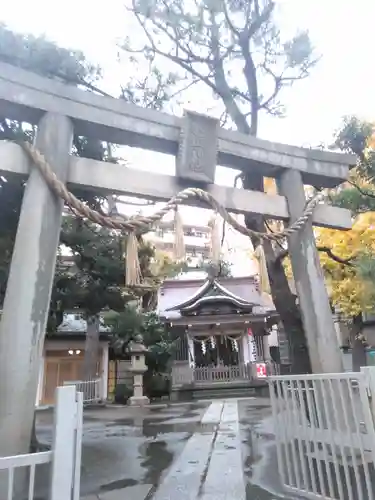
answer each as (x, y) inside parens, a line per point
(138, 368)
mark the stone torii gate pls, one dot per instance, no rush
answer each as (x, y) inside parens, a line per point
(199, 145)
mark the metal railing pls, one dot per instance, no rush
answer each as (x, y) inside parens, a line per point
(325, 435)
(10, 465)
(64, 458)
(91, 389)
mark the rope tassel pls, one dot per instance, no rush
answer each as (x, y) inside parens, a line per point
(132, 267)
(215, 247)
(264, 280)
(179, 244)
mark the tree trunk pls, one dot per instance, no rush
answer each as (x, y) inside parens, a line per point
(358, 346)
(283, 298)
(358, 355)
(35, 445)
(91, 355)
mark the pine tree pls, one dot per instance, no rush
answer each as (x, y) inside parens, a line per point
(236, 50)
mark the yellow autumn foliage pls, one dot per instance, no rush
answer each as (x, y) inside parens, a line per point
(346, 289)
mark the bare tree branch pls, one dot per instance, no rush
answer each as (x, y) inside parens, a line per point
(364, 192)
(250, 75)
(281, 81)
(222, 88)
(346, 262)
(230, 23)
(181, 62)
(260, 18)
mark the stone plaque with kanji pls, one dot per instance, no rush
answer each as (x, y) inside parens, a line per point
(196, 160)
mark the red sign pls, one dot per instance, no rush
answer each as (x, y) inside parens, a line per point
(261, 370)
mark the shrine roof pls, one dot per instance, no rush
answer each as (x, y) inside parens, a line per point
(176, 296)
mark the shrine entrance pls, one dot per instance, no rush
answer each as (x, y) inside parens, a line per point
(219, 351)
(222, 326)
(199, 145)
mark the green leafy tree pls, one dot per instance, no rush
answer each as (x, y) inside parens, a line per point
(40, 55)
(219, 270)
(358, 194)
(47, 59)
(131, 322)
(97, 282)
(236, 50)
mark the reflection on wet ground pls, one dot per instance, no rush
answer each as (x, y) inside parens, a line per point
(259, 466)
(127, 447)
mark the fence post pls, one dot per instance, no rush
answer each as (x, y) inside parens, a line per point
(64, 443)
(78, 447)
(369, 372)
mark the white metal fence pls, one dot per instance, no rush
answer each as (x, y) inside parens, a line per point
(325, 434)
(64, 460)
(91, 389)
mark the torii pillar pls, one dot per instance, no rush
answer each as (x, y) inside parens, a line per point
(324, 350)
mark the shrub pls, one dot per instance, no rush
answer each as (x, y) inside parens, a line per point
(122, 393)
(157, 386)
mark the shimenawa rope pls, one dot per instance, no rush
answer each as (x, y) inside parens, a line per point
(141, 224)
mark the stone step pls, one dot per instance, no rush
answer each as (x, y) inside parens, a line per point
(223, 392)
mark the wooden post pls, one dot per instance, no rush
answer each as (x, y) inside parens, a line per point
(317, 316)
(27, 298)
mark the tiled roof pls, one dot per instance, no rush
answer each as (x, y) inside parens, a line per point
(176, 292)
(74, 323)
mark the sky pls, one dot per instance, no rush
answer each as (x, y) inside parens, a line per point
(340, 29)
(340, 85)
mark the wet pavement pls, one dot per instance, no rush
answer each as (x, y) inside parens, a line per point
(203, 450)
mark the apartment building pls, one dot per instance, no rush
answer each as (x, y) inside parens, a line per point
(196, 239)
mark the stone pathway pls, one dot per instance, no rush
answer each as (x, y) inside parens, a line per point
(216, 462)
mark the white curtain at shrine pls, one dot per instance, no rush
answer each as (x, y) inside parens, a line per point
(252, 346)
